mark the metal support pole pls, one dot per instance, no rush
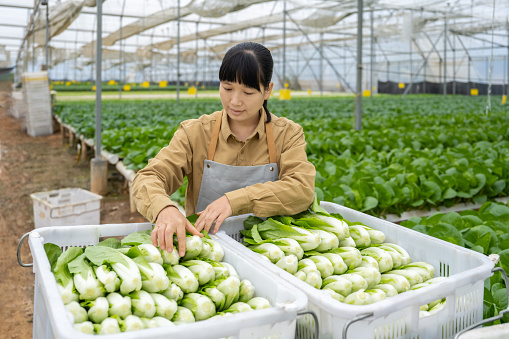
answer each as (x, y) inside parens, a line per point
(47, 35)
(98, 83)
(358, 98)
(453, 65)
(196, 63)
(321, 64)
(297, 62)
(168, 60)
(410, 61)
(507, 86)
(76, 58)
(178, 50)
(121, 65)
(151, 60)
(33, 51)
(372, 54)
(284, 42)
(98, 166)
(445, 57)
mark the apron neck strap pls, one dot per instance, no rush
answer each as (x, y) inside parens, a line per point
(215, 136)
(271, 145)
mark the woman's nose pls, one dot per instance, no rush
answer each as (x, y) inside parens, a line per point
(236, 97)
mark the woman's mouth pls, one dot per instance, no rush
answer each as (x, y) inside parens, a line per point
(234, 111)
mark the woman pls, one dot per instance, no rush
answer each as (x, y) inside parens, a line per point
(239, 160)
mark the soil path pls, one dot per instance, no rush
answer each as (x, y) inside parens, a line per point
(30, 165)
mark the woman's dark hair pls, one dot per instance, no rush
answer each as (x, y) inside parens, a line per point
(249, 64)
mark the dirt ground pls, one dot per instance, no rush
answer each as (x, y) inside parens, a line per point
(30, 165)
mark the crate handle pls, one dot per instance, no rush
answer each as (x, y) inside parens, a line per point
(315, 317)
(485, 321)
(351, 321)
(19, 254)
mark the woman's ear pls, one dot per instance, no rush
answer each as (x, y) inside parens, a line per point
(268, 91)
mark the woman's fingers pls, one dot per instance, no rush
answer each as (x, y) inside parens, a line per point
(181, 238)
(193, 229)
(168, 238)
(153, 236)
(219, 221)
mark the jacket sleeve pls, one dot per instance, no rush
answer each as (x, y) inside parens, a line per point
(164, 174)
(291, 194)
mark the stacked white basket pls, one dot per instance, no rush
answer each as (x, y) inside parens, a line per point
(38, 120)
(19, 107)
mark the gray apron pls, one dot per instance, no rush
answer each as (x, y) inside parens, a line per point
(219, 179)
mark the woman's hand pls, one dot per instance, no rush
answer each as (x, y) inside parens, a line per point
(171, 221)
(217, 211)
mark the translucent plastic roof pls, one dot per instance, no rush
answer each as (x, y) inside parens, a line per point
(147, 29)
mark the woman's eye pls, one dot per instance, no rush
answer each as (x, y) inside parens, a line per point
(248, 93)
(227, 89)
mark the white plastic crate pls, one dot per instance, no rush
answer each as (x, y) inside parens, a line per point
(396, 317)
(66, 207)
(38, 131)
(51, 320)
(19, 108)
(490, 332)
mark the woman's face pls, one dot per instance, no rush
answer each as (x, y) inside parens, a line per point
(242, 103)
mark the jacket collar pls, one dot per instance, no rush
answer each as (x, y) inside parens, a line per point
(226, 132)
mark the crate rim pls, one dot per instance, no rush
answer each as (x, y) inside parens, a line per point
(37, 197)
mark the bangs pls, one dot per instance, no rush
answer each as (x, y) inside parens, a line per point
(243, 69)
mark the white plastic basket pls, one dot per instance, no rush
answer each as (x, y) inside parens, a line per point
(51, 320)
(66, 207)
(396, 317)
(491, 332)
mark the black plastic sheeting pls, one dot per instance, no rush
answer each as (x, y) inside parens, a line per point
(5, 71)
(426, 87)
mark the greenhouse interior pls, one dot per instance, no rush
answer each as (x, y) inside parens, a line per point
(149, 151)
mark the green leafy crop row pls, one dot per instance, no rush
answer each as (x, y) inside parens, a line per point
(485, 231)
(417, 152)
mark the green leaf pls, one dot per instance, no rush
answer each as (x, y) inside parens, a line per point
(504, 260)
(110, 242)
(482, 236)
(500, 297)
(250, 221)
(503, 241)
(454, 219)
(136, 238)
(435, 192)
(100, 255)
(481, 181)
(254, 233)
(192, 218)
(446, 232)
(52, 252)
(496, 287)
(421, 228)
(369, 204)
(494, 209)
(272, 229)
(80, 266)
(449, 194)
(471, 220)
(61, 269)
(315, 206)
